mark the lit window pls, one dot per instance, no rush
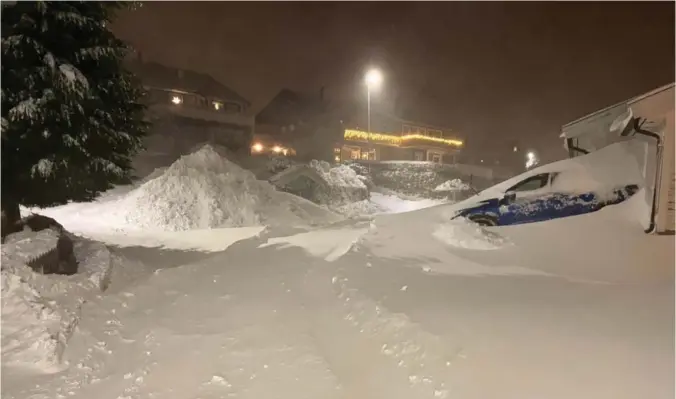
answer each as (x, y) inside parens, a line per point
(176, 99)
(217, 106)
(336, 150)
(277, 149)
(336, 158)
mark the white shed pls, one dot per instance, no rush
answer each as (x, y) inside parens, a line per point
(650, 120)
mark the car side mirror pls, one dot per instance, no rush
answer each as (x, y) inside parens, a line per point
(508, 198)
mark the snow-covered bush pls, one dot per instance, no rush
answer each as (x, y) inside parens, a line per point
(452, 185)
(277, 164)
(343, 184)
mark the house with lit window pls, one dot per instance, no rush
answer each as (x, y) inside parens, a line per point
(395, 139)
(188, 108)
(304, 124)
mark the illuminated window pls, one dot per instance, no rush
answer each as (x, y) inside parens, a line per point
(336, 150)
(336, 158)
(368, 155)
(176, 99)
(217, 105)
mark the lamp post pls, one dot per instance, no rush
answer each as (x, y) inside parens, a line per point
(373, 80)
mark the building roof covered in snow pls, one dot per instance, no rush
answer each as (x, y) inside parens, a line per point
(153, 74)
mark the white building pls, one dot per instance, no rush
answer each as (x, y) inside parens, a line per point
(650, 120)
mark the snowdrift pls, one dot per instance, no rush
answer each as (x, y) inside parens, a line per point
(205, 190)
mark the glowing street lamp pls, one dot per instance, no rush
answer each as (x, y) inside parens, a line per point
(373, 79)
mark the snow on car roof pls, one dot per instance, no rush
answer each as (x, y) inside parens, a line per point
(611, 166)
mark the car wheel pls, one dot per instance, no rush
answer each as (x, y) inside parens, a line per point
(484, 220)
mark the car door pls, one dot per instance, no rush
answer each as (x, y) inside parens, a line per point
(530, 201)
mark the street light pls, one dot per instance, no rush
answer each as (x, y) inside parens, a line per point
(373, 80)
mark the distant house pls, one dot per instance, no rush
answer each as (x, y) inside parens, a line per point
(302, 123)
(395, 139)
(188, 108)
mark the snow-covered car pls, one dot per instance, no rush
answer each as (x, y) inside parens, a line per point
(561, 189)
(533, 200)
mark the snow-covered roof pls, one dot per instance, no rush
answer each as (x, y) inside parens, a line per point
(601, 120)
(158, 75)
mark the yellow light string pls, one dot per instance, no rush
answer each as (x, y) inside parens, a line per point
(396, 140)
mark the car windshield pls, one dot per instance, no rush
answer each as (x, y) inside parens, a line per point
(531, 183)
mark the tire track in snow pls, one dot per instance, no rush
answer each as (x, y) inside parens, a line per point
(375, 353)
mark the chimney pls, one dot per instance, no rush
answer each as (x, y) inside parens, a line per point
(180, 73)
(321, 93)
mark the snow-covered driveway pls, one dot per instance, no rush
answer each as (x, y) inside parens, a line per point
(389, 309)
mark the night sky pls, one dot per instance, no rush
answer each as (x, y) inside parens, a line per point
(494, 72)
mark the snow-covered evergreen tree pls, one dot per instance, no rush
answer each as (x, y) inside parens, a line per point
(72, 116)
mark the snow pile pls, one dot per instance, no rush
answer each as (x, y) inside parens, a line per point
(452, 185)
(200, 190)
(205, 190)
(338, 176)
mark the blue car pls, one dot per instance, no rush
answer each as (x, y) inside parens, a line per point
(534, 200)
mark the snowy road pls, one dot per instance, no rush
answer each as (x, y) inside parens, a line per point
(387, 309)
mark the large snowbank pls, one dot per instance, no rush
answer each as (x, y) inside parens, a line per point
(202, 190)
